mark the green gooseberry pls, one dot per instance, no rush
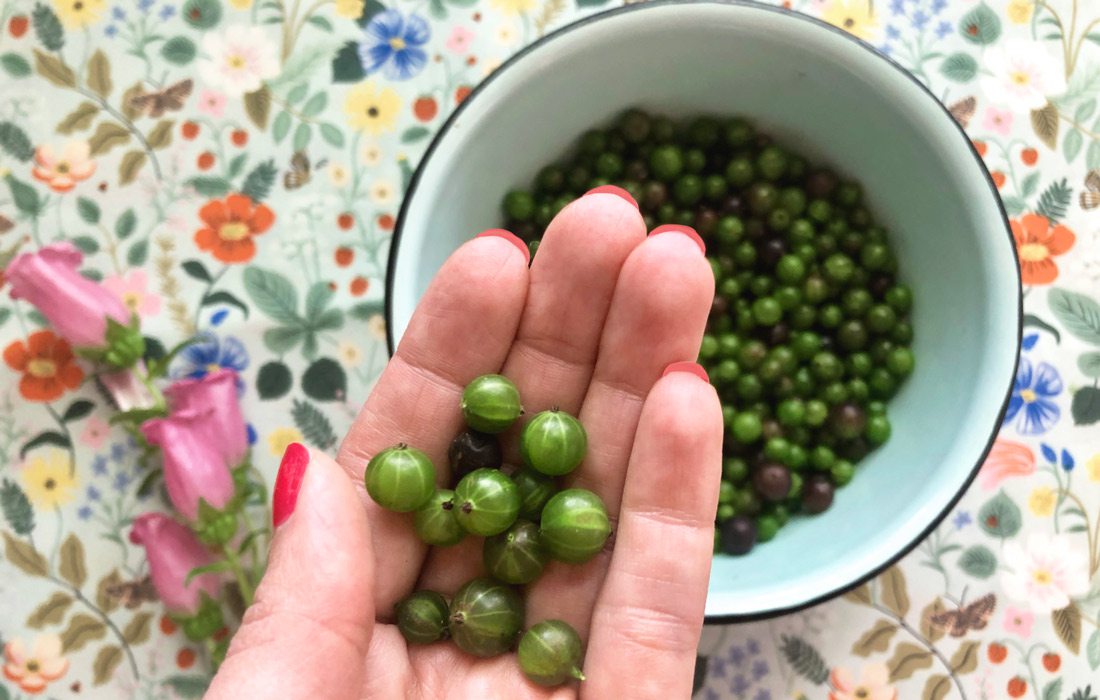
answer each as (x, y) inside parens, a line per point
(485, 617)
(435, 521)
(400, 478)
(490, 403)
(486, 502)
(550, 653)
(553, 443)
(574, 526)
(515, 556)
(534, 491)
(422, 617)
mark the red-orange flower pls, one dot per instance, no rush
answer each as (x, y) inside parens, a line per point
(1037, 242)
(47, 364)
(230, 226)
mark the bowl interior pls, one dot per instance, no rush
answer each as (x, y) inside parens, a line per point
(828, 97)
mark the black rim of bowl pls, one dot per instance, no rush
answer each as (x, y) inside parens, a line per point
(395, 243)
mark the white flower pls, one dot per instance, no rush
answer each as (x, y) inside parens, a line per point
(1045, 575)
(239, 60)
(1024, 74)
(381, 192)
(370, 154)
(506, 34)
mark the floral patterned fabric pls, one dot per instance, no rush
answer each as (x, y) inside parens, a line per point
(233, 168)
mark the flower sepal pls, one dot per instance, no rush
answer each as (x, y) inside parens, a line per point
(247, 491)
(216, 527)
(125, 345)
(205, 623)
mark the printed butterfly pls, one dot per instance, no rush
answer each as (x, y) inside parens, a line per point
(157, 103)
(974, 616)
(1090, 198)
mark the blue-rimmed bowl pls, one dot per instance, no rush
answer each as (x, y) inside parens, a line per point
(835, 99)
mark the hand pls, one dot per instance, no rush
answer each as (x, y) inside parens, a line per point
(590, 327)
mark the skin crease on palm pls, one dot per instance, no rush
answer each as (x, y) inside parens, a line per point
(590, 327)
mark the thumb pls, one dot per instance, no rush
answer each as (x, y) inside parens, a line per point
(306, 635)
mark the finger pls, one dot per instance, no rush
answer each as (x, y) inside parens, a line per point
(313, 610)
(572, 282)
(462, 328)
(657, 317)
(650, 610)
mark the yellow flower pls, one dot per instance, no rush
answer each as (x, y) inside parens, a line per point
(512, 7)
(1093, 467)
(1019, 11)
(48, 481)
(350, 9)
(1041, 501)
(853, 16)
(280, 438)
(372, 110)
(240, 4)
(79, 13)
(337, 174)
(350, 354)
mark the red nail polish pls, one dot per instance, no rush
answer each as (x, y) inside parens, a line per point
(686, 230)
(689, 367)
(510, 237)
(612, 189)
(288, 482)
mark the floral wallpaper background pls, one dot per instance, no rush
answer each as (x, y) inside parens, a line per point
(233, 168)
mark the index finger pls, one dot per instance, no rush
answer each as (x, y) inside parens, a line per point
(462, 328)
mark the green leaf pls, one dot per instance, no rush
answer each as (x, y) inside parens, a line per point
(5, 314)
(1092, 650)
(1053, 690)
(224, 297)
(138, 253)
(297, 94)
(414, 134)
(51, 611)
(47, 27)
(71, 564)
(281, 126)
(273, 380)
(54, 70)
(196, 270)
(330, 320)
(161, 135)
(302, 136)
(1044, 122)
(1084, 110)
(47, 437)
(215, 567)
(92, 274)
(325, 380)
(1092, 156)
(106, 662)
(25, 198)
(1078, 314)
(980, 26)
(201, 14)
(978, 561)
(317, 298)
(125, 224)
(315, 105)
(99, 74)
(332, 135)
(1086, 406)
(257, 105)
(437, 9)
(1030, 184)
(321, 23)
(136, 416)
(1089, 364)
(1000, 517)
(1054, 201)
(15, 65)
(1067, 625)
(179, 50)
(187, 687)
(282, 339)
(875, 639)
(209, 186)
(17, 507)
(273, 294)
(1014, 205)
(88, 210)
(313, 424)
(364, 310)
(78, 409)
(82, 629)
(23, 556)
(804, 659)
(15, 142)
(908, 658)
(79, 119)
(107, 135)
(936, 687)
(257, 185)
(960, 67)
(236, 165)
(346, 67)
(130, 165)
(1072, 143)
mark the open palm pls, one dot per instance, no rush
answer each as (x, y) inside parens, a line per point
(590, 327)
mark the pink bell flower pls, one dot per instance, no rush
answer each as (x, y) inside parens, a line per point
(214, 399)
(193, 467)
(173, 551)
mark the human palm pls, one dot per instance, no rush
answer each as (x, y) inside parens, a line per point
(590, 327)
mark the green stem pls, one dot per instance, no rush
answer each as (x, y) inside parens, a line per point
(65, 429)
(243, 582)
(924, 642)
(75, 592)
(209, 288)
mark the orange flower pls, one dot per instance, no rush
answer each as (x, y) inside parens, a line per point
(47, 364)
(1037, 242)
(230, 226)
(62, 173)
(32, 670)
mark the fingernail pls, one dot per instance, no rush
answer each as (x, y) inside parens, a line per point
(612, 189)
(511, 238)
(689, 367)
(686, 230)
(288, 482)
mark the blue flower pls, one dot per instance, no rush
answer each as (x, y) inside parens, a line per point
(84, 513)
(121, 482)
(1048, 453)
(920, 18)
(752, 647)
(144, 5)
(962, 519)
(118, 452)
(740, 685)
(393, 43)
(736, 656)
(897, 7)
(99, 465)
(717, 667)
(94, 493)
(759, 669)
(110, 30)
(939, 6)
(218, 316)
(1067, 460)
(943, 29)
(210, 354)
(118, 13)
(167, 12)
(762, 694)
(1033, 398)
(892, 32)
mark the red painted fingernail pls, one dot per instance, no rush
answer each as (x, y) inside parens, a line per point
(288, 482)
(510, 237)
(689, 367)
(612, 189)
(686, 230)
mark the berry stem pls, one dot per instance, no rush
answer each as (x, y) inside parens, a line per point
(577, 673)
